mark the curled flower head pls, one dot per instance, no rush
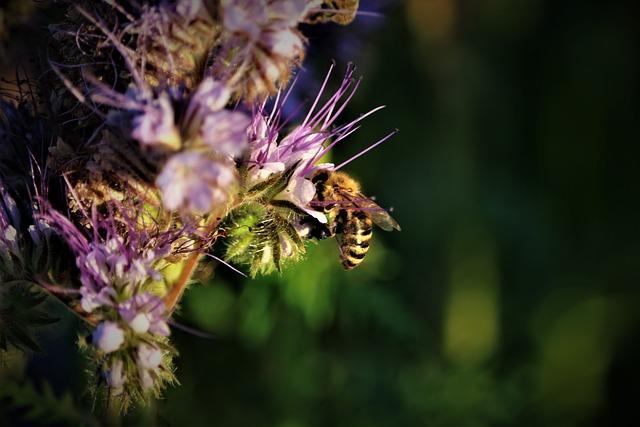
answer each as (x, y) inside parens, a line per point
(108, 337)
(196, 183)
(117, 259)
(269, 228)
(110, 266)
(262, 38)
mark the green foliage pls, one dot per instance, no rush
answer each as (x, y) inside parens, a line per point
(21, 311)
(29, 256)
(43, 407)
(464, 396)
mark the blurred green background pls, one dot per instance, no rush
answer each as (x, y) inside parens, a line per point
(509, 298)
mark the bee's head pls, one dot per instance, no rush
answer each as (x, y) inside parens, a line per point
(341, 182)
(320, 177)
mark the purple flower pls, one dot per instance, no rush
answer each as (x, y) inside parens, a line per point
(226, 132)
(305, 144)
(92, 299)
(211, 96)
(220, 130)
(196, 183)
(110, 266)
(108, 337)
(145, 312)
(155, 127)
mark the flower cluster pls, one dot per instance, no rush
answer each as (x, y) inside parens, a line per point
(199, 176)
(176, 149)
(303, 146)
(120, 286)
(261, 43)
(9, 216)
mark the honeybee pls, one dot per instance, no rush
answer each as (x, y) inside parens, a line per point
(350, 215)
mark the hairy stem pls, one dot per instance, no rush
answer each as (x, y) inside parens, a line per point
(174, 295)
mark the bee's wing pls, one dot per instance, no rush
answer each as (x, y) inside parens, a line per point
(378, 215)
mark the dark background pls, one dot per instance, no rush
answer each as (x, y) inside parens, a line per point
(511, 295)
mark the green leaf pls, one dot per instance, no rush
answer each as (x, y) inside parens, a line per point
(44, 407)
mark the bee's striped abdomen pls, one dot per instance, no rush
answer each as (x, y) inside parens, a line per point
(356, 234)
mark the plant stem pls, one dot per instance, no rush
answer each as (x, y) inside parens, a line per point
(177, 290)
(175, 294)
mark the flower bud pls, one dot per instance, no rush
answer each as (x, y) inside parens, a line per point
(146, 380)
(149, 357)
(140, 323)
(108, 337)
(156, 127)
(114, 375)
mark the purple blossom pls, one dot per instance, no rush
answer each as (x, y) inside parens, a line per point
(225, 132)
(211, 96)
(220, 130)
(304, 145)
(155, 127)
(109, 267)
(108, 337)
(145, 312)
(196, 183)
(92, 299)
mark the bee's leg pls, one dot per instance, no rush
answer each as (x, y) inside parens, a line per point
(322, 232)
(316, 229)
